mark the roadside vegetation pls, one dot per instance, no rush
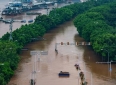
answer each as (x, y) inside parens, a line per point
(98, 26)
(10, 50)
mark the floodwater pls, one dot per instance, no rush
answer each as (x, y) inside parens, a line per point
(5, 27)
(48, 66)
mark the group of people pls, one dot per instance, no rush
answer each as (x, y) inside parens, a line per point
(56, 51)
(77, 67)
(81, 74)
(32, 82)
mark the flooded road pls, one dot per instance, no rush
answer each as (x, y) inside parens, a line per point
(48, 66)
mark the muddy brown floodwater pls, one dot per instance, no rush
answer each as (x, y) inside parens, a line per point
(48, 66)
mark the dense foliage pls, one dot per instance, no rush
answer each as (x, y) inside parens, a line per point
(26, 33)
(97, 25)
(9, 60)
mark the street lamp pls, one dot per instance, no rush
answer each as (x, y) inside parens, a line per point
(107, 52)
(109, 67)
(1, 64)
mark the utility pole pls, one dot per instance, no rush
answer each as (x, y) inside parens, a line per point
(10, 22)
(47, 10)
(10, 29)
(35, 54)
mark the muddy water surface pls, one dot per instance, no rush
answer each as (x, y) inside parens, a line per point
(48, 66)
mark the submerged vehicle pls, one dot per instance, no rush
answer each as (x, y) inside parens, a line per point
(23, 21)
(63, 74)
(30, 21)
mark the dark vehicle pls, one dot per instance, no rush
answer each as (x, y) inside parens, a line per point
(64, 74)
(23, 21)
(7, 21)
(30, 21)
